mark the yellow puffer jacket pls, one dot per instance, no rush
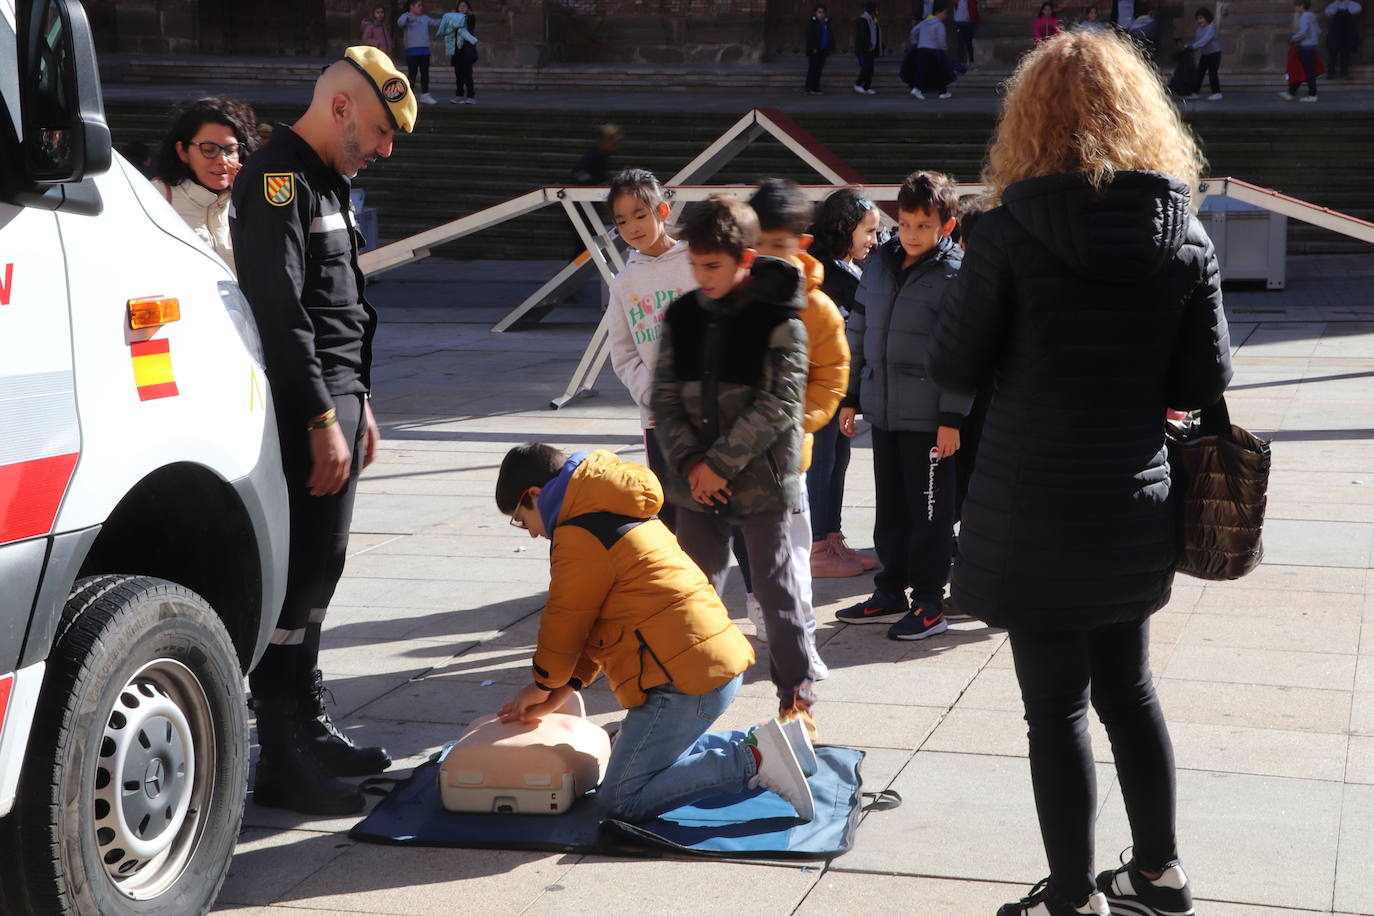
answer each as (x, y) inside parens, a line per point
(624, 598)
(827, 380)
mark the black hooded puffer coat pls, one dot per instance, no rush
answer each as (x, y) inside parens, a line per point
(1091, 314)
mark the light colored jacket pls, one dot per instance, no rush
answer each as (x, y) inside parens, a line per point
(1309, 33)
(640, 296)
(623, 597)
(453, 29)
(379, 36)
(931, 34)
(206, 212)
(1205, 40)
(1352, 7)
(417, 29)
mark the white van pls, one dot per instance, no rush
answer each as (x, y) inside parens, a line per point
(143, 526)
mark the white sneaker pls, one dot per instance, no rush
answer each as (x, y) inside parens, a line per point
(859, 89)
(918, 93)
(1308, 98)
(819, 669)
(469, 101)
(799, 739)
(1214, 97)
(946, 95)
(457, 100)
(779, 770)
(870, 92)
(1287, 96)
(754, 611)
(1192, 97)
(427, 98)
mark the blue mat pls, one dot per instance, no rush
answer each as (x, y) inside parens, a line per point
(750, 824)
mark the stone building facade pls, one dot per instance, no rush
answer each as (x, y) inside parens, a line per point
(663, 32)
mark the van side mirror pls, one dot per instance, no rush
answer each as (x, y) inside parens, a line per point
(65, 137)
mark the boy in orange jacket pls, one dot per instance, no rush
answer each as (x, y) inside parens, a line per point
(625, 600)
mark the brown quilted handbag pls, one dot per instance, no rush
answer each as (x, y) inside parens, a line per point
(1220, 479)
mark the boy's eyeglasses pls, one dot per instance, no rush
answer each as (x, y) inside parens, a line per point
(212, 150)
(514, 521)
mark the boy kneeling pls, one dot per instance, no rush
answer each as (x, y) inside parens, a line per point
(625, 599)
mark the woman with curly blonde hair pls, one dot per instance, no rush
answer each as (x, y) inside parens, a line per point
(1089, 301)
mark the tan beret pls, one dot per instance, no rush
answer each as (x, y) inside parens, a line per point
(391, 85)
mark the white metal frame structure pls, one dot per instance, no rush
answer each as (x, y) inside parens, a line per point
(689, 185)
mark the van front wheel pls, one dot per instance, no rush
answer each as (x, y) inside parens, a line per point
(133, 788)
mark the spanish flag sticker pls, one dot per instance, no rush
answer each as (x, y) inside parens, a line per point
(279, 188)
(153, 369)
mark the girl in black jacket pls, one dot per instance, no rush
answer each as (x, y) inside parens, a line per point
(1090, 300)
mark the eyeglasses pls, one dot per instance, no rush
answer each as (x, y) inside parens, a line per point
(211, 150)
(519, 503)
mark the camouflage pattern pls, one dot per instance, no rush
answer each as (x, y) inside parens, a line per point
(758, 449)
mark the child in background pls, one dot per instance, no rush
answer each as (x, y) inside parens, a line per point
(375, 31)
(620, 585)
(915, 425)
(784, 214)
(727, 407)
(1209, 53)
(845, 231)
(1046, 23)
(656, 275)
(932, 68)
(971, 207)
(458, 30)
(1306, 39)
(417, 28)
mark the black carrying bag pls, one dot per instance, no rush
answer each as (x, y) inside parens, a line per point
(1220, 476)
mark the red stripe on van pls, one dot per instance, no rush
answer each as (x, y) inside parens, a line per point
(30, 492)
(150, 347)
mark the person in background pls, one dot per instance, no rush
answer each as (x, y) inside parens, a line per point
(1091, 20)
(197, 162)
(1306, 38)
(1123, 14)
(1046, 23)
(1207, 45)
(594, 166)
(820, 41)
(418, 28)
(376, 31)
(931, 70)
(868, 40)
(1144, 30)
(845, 230)
(458, 29)
(1342, 37)
(1068, 538)
(966, 19)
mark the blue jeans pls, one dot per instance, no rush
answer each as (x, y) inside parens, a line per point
(664, 757)
(830, 450)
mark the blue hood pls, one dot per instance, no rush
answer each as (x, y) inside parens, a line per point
(551, 496)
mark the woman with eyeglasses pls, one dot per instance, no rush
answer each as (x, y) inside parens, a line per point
(196, 163)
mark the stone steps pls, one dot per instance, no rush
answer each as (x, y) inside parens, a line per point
(463, 159)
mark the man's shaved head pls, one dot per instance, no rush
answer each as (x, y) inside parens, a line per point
(346, 123)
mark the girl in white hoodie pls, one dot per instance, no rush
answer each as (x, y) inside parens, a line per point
(655, 275)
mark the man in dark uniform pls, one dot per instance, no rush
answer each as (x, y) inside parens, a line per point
(297, 252)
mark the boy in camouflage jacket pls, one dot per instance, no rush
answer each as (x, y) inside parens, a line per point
(729, 392)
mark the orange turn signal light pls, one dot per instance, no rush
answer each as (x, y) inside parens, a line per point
(153, 311)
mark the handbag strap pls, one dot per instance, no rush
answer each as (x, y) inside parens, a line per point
(1216, 419)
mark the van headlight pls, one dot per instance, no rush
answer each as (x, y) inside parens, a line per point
(241, 314)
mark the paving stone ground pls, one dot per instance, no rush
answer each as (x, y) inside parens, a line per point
(1268, 682)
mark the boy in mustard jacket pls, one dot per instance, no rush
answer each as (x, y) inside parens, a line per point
(625, 600)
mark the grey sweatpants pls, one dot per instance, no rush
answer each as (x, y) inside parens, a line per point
(706, 539)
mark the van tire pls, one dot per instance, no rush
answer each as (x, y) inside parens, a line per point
(133, 786)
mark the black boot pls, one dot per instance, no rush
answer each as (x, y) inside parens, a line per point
(289, 775)
(335, 750)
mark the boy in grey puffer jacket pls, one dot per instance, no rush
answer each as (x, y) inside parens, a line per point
(915, 424)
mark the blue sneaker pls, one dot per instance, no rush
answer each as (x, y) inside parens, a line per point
(881, 608)
(923, 620)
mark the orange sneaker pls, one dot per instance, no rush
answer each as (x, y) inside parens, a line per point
(827, 564)
(837, 544)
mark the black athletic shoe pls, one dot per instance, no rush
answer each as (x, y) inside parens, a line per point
(881, 608)
(1041, 901)
(923, 620)
(1132, 894)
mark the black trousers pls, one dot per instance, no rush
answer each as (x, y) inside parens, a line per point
(815, 64)
(319, 524)
(418, 63)
(1308, 56)
(1059, 673)
(964, 32)
(913, 529)
(1207, 66)
(462, 73)
(1340, 60)
(865, 77)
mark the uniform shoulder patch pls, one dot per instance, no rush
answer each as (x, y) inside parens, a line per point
(279, 188)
